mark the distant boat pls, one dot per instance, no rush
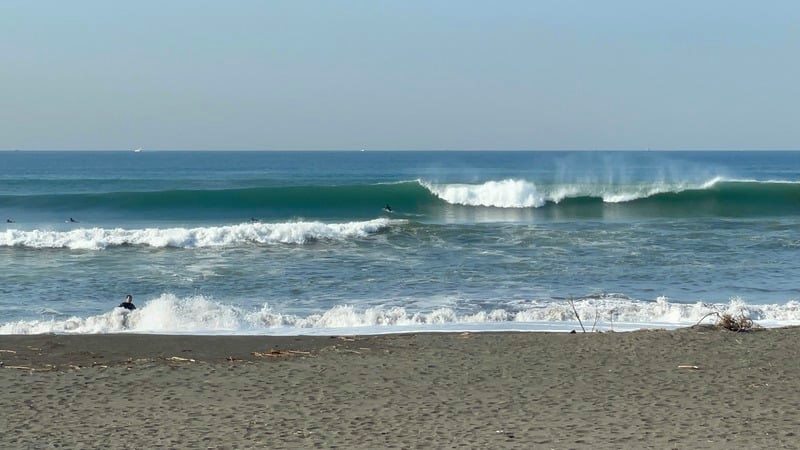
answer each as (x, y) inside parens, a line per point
(138, 150)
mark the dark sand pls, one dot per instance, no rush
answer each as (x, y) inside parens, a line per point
(493, 390)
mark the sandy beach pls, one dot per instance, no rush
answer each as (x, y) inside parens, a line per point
(483, 390)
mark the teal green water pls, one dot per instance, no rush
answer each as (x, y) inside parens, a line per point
(286, 242)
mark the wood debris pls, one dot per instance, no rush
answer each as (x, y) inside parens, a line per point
(179, 359)
(19, 367)
(8, 351)
(273, 353)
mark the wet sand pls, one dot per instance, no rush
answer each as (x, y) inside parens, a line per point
(486, 390)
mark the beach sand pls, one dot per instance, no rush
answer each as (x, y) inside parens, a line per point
(478, 390)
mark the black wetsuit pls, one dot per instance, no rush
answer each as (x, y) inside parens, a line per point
(128, 306)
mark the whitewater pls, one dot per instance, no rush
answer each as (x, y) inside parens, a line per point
(302, 243)
(514, 193)
(200, 237)
(168, 314)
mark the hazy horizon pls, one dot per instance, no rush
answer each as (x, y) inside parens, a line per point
(383, 76)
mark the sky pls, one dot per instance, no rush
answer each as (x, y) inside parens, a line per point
(396, 75)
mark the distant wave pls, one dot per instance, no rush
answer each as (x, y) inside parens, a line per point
(170, 314)
(258, 233)
(715, 196)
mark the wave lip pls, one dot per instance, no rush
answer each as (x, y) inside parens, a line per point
(514, 193)
(201, 237)
(508, 193)
(200, 315)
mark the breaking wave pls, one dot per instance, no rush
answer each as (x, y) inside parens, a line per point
(201, 315)
(525, 194)
(258, 233)
(714, 196)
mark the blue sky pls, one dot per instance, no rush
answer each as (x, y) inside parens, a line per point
(399, 75)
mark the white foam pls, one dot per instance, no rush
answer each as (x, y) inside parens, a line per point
(512, 193)
(501, 194)
(200, 315)
(259, 233)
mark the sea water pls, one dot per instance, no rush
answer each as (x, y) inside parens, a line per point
(301, 242)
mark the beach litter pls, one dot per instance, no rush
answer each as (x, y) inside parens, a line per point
(179, 359)
(19, 367)
(272, 353)
(686, 366)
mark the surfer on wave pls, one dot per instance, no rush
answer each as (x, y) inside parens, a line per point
(387, 208)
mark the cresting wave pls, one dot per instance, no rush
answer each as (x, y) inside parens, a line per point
(715, 196)
(170, 314)
(258, 233)
(525, 194)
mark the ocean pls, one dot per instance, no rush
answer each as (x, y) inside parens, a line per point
(303, 242)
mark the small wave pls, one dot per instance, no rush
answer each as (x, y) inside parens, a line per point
(170, 314)
(258, 233)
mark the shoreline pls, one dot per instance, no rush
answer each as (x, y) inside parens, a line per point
(484, 390)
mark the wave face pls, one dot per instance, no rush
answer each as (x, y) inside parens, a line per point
(201, 315)
(290, 200)
(714, 197)
(201, 237)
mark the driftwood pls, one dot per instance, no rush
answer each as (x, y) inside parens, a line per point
(280, 353)
(730, 322)
(572, 303)
(179, 359)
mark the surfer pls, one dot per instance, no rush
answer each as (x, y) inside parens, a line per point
(9, 221)
(128, 303)
(387, 208)
(254, 220)
(71, 220)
